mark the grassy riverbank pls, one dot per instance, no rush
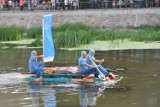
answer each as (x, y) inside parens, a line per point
(78, 34)
(125, 45)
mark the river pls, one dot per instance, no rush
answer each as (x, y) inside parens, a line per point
(138, 88)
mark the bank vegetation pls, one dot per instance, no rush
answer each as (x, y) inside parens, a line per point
(77, 34)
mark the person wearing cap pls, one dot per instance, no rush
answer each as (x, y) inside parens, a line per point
(85, 68)
(34, 66)
(90, 57)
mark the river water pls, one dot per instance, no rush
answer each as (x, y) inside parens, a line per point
(138, 88)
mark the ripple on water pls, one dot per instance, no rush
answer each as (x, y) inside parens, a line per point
(12, 83)
(11, 78)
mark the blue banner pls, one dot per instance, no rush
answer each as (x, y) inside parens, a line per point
(48, 46)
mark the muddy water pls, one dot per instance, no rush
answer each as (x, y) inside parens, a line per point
(138, 88)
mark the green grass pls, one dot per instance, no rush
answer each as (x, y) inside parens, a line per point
(77, 34)
(72, 35)
(146, 33)
(142, 34)
(16, 33)
(10, 33)
(35, 32)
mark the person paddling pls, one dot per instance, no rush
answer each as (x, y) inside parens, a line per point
(85, 68)
(90, 57)
(91, 60)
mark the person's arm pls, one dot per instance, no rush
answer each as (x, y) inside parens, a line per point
(87, 65)
(34, 62)
(98, 61)
(90, 66)
(39, 56)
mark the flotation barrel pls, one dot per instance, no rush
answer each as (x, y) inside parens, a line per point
(57, 80)
(61, 74)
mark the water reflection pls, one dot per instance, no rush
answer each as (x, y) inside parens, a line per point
(88, 95)
(41, 95)
(34, 90)
(46, 95)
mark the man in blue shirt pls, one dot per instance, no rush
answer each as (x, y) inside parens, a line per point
(84, 67)
(90, 57)
(34, 66)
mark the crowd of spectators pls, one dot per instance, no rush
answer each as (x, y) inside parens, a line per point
(74, 4)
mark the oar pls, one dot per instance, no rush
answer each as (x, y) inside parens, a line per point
(101, 75)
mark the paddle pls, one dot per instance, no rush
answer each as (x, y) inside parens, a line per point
(101, 75)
